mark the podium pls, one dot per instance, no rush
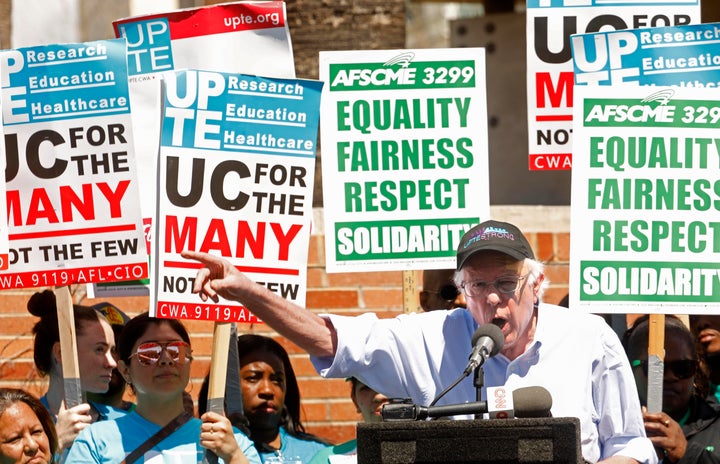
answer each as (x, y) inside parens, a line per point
(536, 440)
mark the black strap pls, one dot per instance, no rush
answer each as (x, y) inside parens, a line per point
(159, 436)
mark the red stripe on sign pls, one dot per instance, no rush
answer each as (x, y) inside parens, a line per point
(79, 275)
(550, 162)
(205, 312)
(223, 19)
(559, 117)
(253, 269)
(63, 233)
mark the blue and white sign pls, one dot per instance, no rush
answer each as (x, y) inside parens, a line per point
(686, 56)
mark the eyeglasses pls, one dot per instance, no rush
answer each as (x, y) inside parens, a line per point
(506, 284)
(447, 292)
(682, 369)
(148, 354)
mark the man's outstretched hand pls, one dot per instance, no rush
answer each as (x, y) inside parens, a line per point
(218, 277)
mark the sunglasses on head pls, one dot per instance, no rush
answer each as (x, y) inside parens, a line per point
(682, 369)
(447, 292)
(150, 353)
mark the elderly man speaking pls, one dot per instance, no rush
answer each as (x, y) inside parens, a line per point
(576, 356)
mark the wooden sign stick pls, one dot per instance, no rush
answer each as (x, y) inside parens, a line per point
(233, 388)
(68, 347)
(218, 376)
(656, 359)
(411, 299)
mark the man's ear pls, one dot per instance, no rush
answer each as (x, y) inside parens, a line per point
(57, 352)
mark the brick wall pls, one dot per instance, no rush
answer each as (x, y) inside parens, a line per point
(327, 409)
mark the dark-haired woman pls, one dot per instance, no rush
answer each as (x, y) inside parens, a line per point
(155, 359)
(95, 346)
(27, 432)
(688, 428)
(271, 401)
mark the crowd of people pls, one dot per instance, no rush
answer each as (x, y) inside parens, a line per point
(152, 361)
(590, 372)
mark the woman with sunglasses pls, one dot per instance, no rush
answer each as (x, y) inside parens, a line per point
(688, 428)
(95, 346)
(155, 359)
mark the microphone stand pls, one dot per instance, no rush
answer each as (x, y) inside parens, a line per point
(478, 381)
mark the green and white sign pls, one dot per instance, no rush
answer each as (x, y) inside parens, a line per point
(404, 156)
(645, 230)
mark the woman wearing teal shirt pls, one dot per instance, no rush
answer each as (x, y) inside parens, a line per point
(155, 359)
(95, 345)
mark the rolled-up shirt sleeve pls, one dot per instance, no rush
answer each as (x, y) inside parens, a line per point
(409, 356)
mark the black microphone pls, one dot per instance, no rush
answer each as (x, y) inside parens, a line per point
(487, 341)
(526, 402)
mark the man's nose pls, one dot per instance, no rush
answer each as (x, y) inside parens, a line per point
(492, 295)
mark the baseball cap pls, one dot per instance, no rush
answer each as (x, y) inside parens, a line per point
(112, 313)
(496, 236)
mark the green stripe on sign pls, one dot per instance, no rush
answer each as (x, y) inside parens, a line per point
(632, 112)
(375, 240)
(412, 75)
(651, 281)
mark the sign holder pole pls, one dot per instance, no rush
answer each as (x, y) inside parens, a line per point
(218, 376)
(411, 300)
(68, 347)
(656, 357)
(233, 388)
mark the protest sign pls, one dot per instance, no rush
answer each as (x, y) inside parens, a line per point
(644, 230)
(4, 242)
(72, 192)
(235, 179)
(686, 56)
(404, 156)
(253, 36)
(246, 37)
(550, 23)
(683, 56)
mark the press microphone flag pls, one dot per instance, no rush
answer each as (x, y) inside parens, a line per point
(500, 403)
(487, 341)
(523, 402)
